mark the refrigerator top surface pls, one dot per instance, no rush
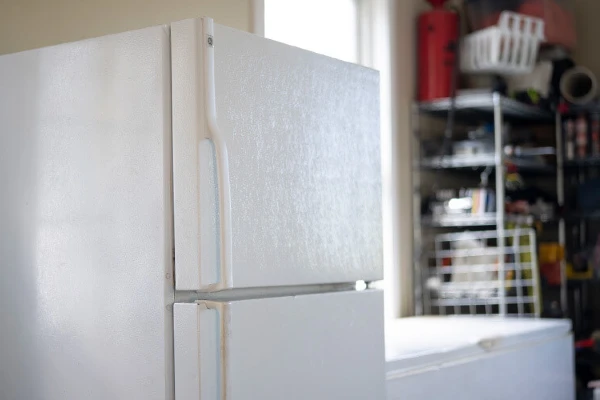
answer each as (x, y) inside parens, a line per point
(415, 342)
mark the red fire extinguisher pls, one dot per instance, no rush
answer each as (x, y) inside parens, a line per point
(438, 46)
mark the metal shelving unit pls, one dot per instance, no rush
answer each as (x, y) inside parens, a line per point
(560, 190)
(570, 173)
(485, 219)
(481, 161)
(476, 107)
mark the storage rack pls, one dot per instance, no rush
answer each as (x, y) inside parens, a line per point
(495, 108)
(571, 173)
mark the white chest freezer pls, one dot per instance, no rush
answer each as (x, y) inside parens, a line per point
(473, 358)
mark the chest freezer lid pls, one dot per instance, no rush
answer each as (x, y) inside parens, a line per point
(418, 342)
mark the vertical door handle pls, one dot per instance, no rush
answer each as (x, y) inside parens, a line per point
(221, 153)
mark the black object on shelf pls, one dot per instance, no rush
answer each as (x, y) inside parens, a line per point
(588, 196)
(583, 162)
(573, 110)
(577, 216)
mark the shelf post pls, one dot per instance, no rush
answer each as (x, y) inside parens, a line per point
(560, 195)
(418, 280)
(499, 163)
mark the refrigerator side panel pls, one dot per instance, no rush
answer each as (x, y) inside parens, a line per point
(85, 220)
(319, 347)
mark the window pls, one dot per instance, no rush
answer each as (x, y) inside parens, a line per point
(328, 27)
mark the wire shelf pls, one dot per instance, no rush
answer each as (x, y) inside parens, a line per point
(478, 220)
(478, 273)
(482, 161)
(480, 105)
(459, 220)
(479, 302)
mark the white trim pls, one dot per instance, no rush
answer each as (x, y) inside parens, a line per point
(402, 39)
(367, 40)
(377, 51)
(377, 41)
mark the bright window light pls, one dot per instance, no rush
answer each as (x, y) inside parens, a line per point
(327, 27)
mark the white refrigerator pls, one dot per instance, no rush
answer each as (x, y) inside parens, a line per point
(185, 210)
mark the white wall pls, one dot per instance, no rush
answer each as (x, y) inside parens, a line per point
(403, 45)
(28, 24)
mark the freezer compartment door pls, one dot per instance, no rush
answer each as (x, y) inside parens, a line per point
(318, 347)
(277, 175)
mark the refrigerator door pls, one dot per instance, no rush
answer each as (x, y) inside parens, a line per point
(277, 176)
(85, 226)
(318, 347)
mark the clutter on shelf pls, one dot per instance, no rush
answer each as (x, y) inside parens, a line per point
(477, 148)
(551, 255)
(582, 137)
(555, 82)
(476, 206)
(584, 264)
(588, 196)
(523, 198)
(557, 15)
(509, 48)
(462, 207)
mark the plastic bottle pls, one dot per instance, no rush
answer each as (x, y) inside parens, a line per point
(570, 139)
(581, 127)
(596, 135)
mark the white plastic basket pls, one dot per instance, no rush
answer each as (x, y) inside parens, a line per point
(509, 48)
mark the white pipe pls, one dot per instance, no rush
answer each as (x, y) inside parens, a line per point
(579, 86)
